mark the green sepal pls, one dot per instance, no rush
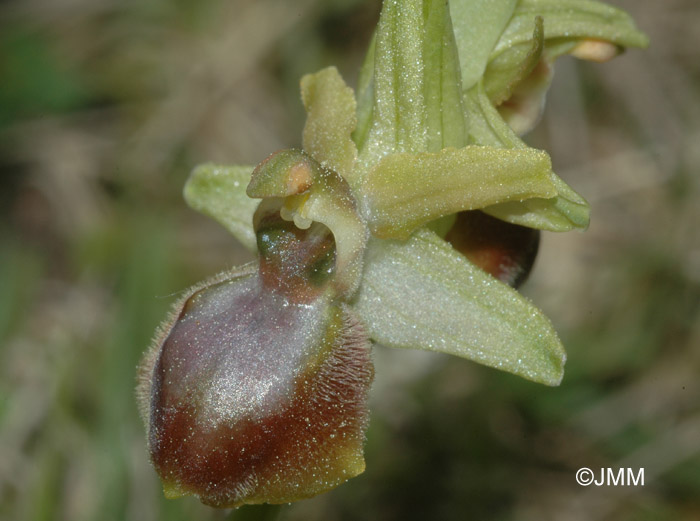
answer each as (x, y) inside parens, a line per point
(422, 294)
(567, 211)
(365, 96)
(220, 193)
(445, 124)
(410, 89)
(405, 191)
(478, 25)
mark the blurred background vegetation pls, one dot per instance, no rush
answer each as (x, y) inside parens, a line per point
(106, 106)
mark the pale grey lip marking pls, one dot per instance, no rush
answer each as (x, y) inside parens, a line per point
(217, 356)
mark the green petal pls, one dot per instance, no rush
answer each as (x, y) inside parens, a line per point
(567, 211)
(331, 119)
(220, 193)
(405, 191)
(414, 83)
(422, 294)
(478, 24)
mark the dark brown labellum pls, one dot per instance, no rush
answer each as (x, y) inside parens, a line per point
(257, 390)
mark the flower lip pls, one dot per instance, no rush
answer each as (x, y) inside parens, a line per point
(257, 391)
(295, 262)
(256, 399)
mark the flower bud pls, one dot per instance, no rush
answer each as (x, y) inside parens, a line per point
(523, 108)
(504, 250)
(256, 392)
(595, 50)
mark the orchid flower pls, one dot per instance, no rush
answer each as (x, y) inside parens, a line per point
(411, 210)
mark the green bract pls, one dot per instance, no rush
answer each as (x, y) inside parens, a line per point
(356, 221)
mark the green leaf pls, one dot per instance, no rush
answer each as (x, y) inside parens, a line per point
(567, 211)
(478, 25)
(330, 105)
(422, 294)
(36, 81)
(414, 83)
(405, 191)
(220, 192)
